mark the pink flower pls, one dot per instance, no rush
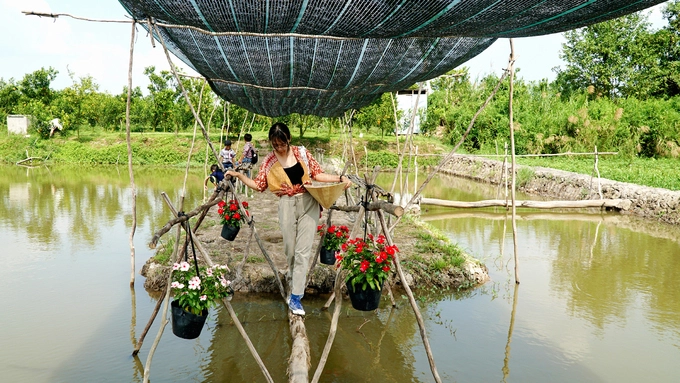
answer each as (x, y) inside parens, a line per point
(209, 272)
(195, 283)
(184, 266)
(203, 297)
(175, 266)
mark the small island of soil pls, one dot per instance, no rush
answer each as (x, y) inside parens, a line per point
(425, 256)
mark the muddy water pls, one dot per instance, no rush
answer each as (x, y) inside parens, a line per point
(599, 298)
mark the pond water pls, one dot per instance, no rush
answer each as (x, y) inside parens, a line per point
(599, 299)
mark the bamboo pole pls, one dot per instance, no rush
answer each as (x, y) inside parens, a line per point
(455, 148)
(225, 302)
(184, 93)
(511, 66)
(621, 204)
(412, 300)
(392, 209)
(545, 155)
(133, 188)
(599, 185)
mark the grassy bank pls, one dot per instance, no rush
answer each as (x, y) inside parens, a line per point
(169, 149)
(661, 173)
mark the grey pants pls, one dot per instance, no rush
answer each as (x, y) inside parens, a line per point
(298, 218)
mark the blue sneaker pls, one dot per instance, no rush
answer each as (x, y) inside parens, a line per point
(294, 304)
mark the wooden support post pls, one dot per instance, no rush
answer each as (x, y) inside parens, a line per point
(412, 301)
(513, 173)
(133, 188)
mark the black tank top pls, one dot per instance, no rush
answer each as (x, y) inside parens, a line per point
(295, 173)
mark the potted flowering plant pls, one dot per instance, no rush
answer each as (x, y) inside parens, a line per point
(195, 291)
(368, 265)
(231, 216)
(335, 236)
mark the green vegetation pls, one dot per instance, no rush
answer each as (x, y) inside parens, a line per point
(661, 173)
(445, 254)
(162, 256)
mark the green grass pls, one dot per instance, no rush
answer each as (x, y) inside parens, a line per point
(163, 256)
(661, 173)
(445, 254)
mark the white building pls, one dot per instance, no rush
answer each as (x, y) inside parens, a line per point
(18, 124)
(406, 102)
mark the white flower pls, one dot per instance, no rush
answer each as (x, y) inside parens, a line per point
(203, 297)
(195, 283)
(175, 285)
(184, 266)
(175, 266)
(209, 272)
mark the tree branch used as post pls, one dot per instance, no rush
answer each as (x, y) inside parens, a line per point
(511, 66)
(133, 188)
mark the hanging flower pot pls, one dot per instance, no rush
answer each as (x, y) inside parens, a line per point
(185, 324)
(364, 300)
(231, 214)
(333, 237)
(229, 231)
(327, 257)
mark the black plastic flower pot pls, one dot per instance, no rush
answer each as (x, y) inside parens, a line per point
(229, 231)
(363, 300)
(327, 257)
(185, 324)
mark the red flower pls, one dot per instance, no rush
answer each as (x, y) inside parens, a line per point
(220, 211)
(236, 216)
(386, 268)
(233, 207)
(221, 203)
(344, 247)
(331, 229)
(245, 204)
(364, 266)
(338, 234)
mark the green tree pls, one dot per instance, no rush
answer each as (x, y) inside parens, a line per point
(607, 58)
(379, 113)
(662, 77)
(77, 104)
(163, 96)
(36, 85)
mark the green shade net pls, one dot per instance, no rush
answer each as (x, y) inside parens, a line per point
(323, 57)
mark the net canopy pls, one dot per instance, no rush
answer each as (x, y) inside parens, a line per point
(324, 57)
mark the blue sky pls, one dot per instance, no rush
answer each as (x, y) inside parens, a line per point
(102, 50)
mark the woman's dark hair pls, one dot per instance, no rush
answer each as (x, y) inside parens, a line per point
(279, 132)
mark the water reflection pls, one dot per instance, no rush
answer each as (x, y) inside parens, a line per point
(600, 295)
(60, 205)
(367, 348)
